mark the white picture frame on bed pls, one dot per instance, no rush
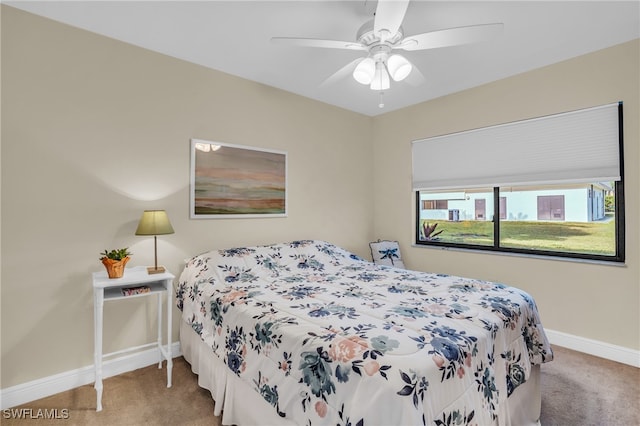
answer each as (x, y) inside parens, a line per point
(236, 181)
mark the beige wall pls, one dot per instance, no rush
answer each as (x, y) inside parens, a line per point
(593, 301)
(94, 131)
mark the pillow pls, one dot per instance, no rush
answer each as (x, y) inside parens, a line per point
(386, 253)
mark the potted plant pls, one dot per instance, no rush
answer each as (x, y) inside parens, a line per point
(428, 232)
(115, 261)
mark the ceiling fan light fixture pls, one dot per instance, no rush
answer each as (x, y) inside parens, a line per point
(365, 71)
(381, 78)
(399, 67)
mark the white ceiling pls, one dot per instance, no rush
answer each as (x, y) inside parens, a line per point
(234, 37)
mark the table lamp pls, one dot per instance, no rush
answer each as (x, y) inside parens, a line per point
(154, 222)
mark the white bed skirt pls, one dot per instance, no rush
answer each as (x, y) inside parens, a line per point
(241, 405)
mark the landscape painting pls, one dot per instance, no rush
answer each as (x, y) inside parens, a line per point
(232, 181)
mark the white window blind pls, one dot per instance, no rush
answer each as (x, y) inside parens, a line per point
(572, 147)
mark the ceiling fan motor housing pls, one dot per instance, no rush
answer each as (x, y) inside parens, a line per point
(367, 36)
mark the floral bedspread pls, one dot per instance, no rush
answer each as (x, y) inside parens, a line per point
(329, 338)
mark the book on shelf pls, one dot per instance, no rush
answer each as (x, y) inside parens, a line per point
(131, 291)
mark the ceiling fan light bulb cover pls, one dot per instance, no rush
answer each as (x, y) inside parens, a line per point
(364, 71)
(381, 78)
(399, 67)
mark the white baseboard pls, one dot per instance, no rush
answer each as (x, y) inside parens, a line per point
(595, 348)
(47, 386)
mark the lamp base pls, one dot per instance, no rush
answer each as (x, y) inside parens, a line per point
(154, 270)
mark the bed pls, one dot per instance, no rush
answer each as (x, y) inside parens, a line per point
(307, 333)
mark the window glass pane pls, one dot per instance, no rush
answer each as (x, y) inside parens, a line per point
(462, 217)
(576, 218)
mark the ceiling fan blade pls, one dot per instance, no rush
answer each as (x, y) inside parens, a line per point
(389, 16)
(451, 37)
(314, 42)
(341, 73)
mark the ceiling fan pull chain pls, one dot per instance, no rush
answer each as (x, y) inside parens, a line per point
(381, 103)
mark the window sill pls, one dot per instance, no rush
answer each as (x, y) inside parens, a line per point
(530, 256)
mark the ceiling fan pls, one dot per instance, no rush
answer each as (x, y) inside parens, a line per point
(383, 35)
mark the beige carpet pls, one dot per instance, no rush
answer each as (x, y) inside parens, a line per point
(135, 398)
(584, 390)
(577, 389)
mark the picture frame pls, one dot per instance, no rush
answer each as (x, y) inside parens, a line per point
(236, 181)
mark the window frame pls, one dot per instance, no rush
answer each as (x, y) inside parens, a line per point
(619, 256)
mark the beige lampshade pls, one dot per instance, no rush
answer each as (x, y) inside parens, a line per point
(154, 222)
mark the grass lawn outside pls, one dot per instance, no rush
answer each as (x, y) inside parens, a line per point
(575, 237)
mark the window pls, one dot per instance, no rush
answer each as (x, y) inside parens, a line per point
(568, 220)
(462, 222)
(556, 187)
(550, 207)
(435, 204)
(503, 208)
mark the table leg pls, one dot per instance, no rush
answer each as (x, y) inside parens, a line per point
(98, 301)
(160, 330)
(169, 306)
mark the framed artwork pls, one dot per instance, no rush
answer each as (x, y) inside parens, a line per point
(235, 181)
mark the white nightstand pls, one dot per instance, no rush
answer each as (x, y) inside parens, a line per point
(105, 289)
